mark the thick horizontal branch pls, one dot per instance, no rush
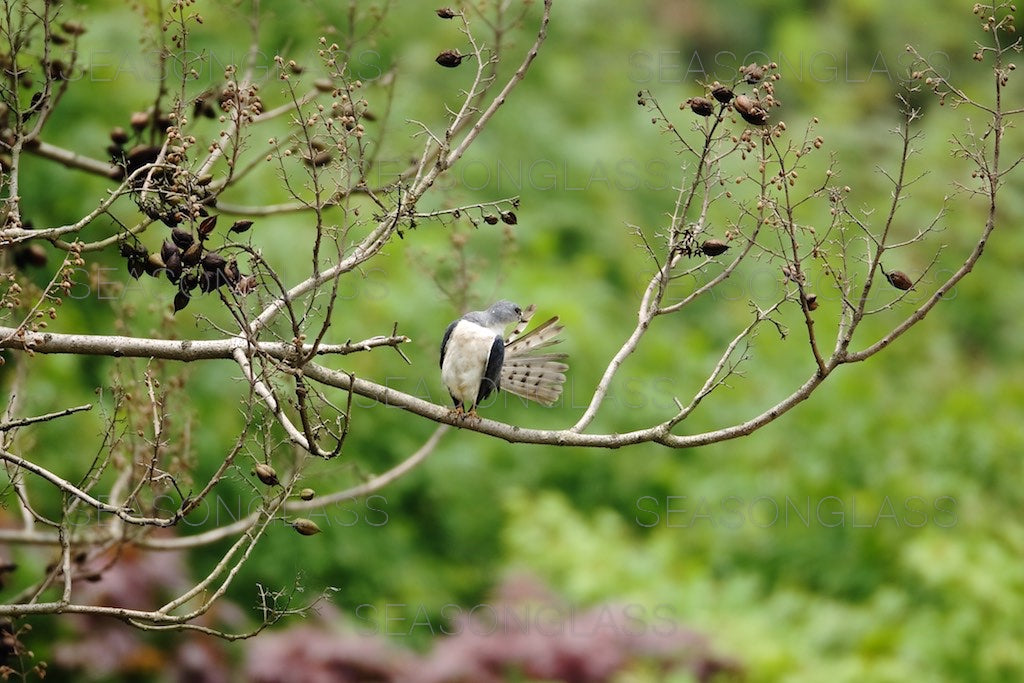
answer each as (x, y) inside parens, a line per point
(200, 350)
(187, 350)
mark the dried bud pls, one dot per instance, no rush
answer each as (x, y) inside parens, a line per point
(306, 527)
(714, 247)
(899, 280)
(509, 218)
(240, 226)
(721, 93)
(307, 494)
(701, 106)
(450, 59)
(266, 474)
(446, 13)
(182, 238)
(490, 219)
(811, 302)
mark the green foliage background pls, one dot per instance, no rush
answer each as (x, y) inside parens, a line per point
(908, 566)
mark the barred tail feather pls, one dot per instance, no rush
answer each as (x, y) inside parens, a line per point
(534, 376)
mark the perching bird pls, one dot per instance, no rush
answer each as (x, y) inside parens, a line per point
(476, 359)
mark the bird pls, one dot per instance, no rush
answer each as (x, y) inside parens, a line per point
(477, 360)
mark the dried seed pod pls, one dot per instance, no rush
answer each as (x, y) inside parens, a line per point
(182, 238)
(189, 281)
(154, 265)
(714, 247)
(266, 474)
(446, 13)
(173, 267)
(509, 218)
(191, 256)
(246, 284)
(756, 116)
(701, 106)
(119, 135)
(136, 266)
(181, 300)
(73, 28)
(139, 120)
(811, 302)
(240, 226)
(752, 73)
(307, 494)
(306, 527)
(450, 59)
(899, 280)
(490, 219)
(213, 261)
(317, 160)
(168, 249)
(207, 226)
(721, 93)
(743, 104)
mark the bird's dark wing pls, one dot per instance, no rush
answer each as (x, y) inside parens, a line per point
(492, 373)
(444, 341)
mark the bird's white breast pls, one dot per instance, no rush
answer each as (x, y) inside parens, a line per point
(465, 359)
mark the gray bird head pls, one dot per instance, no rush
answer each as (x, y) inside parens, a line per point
(497, 317)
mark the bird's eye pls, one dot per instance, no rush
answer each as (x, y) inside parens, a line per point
(519, 311)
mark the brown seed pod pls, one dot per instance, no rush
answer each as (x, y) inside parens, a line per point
(317, 160)
(490, 219)
(182, 238)
(752, 73)
(213, 261)
(240, 226)
(756, 116)
(509, 218)
(168, 249)
(191, 256)
(446, 13)
(307, 494)
(139, 120)
(73, 28)
(266, 474)
(714, 247)
(450, 59)
(119, 135)
(743, 104)
(899, 280)
(173, 267)
(721, 93)
(701, 106)
(306, 527)
(811, 302)
(207, 226)
(181, 300)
